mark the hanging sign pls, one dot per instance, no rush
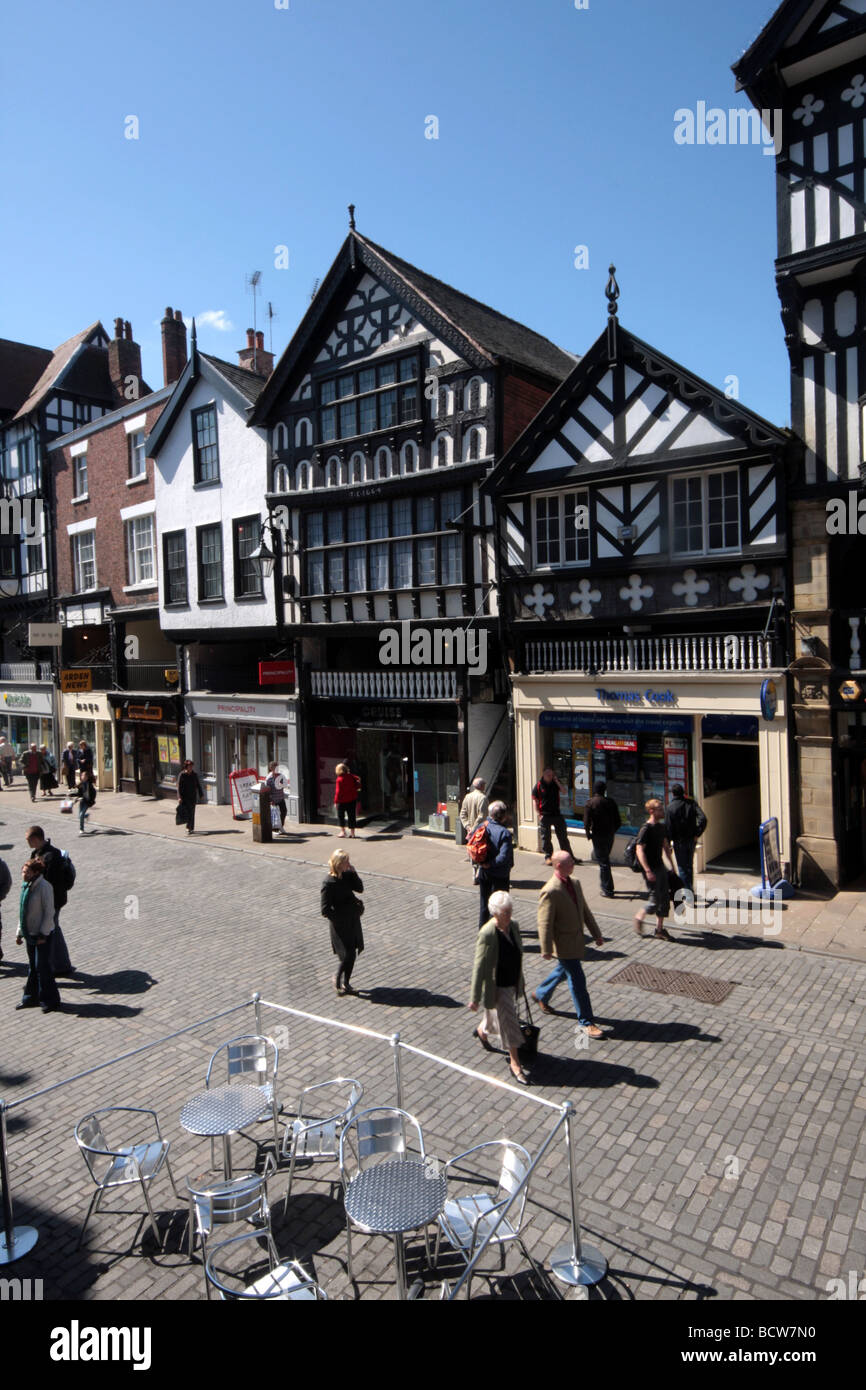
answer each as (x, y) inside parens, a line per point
(276, 673)
(76, 680)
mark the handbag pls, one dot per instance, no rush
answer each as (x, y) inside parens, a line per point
(66, 807)
(359, 903)
(181, 814)
(528, 1049)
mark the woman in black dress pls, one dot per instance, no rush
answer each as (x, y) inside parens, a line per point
(652, 846)
(343, 911)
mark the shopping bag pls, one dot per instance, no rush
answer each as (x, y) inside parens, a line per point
(276, 823)
(66, 808)
(181, 815)
(528, 1049)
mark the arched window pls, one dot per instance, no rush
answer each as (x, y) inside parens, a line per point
(409, 457)
(356, 468)
(332, 471)
(370, 469)
(303, 433)
(303, 475)
(442, 404)
(282, 478)
(281, 436)
(443, 451)
(383, 463)
(471, 446)
(474, 396)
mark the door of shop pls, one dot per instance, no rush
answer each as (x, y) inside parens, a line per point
(145, 762)
(852, 813)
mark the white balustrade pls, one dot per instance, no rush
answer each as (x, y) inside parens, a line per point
(675, 653)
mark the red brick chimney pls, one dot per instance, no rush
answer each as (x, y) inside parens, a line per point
(173, 346)
(254, 357)
(124, 363)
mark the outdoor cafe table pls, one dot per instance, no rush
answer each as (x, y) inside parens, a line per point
(222, 1110)
(394, 1197)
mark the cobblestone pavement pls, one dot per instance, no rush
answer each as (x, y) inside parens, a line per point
(720, 1147)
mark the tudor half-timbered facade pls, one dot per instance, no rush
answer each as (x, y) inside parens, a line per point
(809, 65)
(642, 546)
(387, 410)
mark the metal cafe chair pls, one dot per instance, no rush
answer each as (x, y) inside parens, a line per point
(314, 1139)
(466, 1220)
(225, 1203)
(121, 1165)
(231, 1268)
(251, 1060)
(373, 1136)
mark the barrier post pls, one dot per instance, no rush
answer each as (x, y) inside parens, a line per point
(257, 1001)
(398, 1079)
(15, 1241)
(576, 1263)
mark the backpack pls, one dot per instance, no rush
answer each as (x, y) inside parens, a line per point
(700, 822)
(631, 858)
(69, 874)
(5, 879)
(478, 844)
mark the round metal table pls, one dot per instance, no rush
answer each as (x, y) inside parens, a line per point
(222, 1110)
(394, 1197)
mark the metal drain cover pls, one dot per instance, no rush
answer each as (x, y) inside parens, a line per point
(651, 977)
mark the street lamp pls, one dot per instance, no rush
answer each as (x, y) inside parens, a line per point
(263, 557)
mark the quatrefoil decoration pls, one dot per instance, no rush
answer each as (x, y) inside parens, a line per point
(690, 587)
(538, 600)
(636, 592)
(809, 109)
(856, 93)
(750, 584)
(584, 597)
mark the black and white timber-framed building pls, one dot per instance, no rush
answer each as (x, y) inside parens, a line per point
(641, 531)
(809, 65)
(395, 397)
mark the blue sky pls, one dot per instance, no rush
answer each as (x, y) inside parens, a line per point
(258, 125)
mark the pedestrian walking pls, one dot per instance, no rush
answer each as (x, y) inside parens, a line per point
(68, 763)
(32, 766)
(601, 821)
(474, 807)
(685, 823)
(189, 792)
(47, 779)
(60, 874)
(347, 789)
(494, 872)
(35, 925)
(84, 758)
(651, 849)
(343, 911)
(546, 794)
(5, 885)
(497, 979)
(86, 793)
(563, 919)
(7, 758)
(276, 786)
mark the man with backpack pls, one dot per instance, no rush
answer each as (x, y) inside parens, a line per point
(59, 872)
(491, 849)
(685, 822)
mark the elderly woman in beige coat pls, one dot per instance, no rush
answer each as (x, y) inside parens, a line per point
(497, 976)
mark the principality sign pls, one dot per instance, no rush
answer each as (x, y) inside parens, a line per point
(276, 673)
(76, 679)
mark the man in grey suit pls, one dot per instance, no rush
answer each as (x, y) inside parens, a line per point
(562, 916)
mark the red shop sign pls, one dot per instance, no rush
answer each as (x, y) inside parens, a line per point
(276, 673)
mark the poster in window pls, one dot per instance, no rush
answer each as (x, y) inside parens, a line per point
(162, 747)
(676, 763)
(581, 754)
(174, 750)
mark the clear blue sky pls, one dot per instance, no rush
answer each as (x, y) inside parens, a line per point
(258, 125)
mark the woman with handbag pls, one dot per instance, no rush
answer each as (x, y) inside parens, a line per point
(47, 780)
(497, 978)
(346, 793)
(343, 910)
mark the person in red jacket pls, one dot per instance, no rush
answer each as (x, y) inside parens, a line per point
(346, 793)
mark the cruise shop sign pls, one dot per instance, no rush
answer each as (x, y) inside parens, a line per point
(653, 699)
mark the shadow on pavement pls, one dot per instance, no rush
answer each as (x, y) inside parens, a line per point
(641, 1030)
(563, 1071)
(121, 982)
(717, 941)
(408, 998)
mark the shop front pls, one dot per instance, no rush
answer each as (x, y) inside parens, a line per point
(228, 735)
(88, 716)
(150, 744)
(407, 758)
(27, 716)
(715, 739)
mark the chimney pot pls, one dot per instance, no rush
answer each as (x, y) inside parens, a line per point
(127, 331)
(168, 312)
(118, 328)
(260, 341)
(251, 340)
(174, 355)
(178, 316)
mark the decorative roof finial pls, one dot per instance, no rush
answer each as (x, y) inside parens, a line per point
(611, 290)
(351, 217)
(192, 336)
